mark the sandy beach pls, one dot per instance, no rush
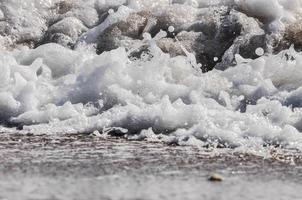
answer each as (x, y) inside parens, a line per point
(85, 167)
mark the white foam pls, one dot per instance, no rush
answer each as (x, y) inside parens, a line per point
(53, 89)
(163, 93)
(92, 35)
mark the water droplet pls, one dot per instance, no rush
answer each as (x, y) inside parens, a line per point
(259, 51)
(171, 29)
(110, 11)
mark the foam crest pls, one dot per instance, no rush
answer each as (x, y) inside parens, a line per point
(140, 91)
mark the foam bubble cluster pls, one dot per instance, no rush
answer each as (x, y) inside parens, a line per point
(139, 89)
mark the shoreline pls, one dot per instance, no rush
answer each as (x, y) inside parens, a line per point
(78, 166)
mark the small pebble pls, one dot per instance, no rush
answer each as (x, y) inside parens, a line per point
(215, 178)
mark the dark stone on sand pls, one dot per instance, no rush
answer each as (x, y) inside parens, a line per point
(215, 178)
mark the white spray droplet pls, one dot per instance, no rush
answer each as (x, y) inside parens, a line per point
(171, 29)
(259, 51)
(215, 59)
(110, 11)
(147, 36)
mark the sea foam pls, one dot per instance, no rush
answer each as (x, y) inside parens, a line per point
(53, 89)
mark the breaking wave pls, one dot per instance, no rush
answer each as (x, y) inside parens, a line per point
(137, 68)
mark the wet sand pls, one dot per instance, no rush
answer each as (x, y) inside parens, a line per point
(86, 167)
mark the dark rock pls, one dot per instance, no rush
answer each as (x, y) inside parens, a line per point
(215, 178)
(214, 35)
(61, 39)
(65, 32)
(64, 6)
(292, 36)
(130, 29)
(248, 48)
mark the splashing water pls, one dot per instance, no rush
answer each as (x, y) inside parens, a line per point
(52, 89)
